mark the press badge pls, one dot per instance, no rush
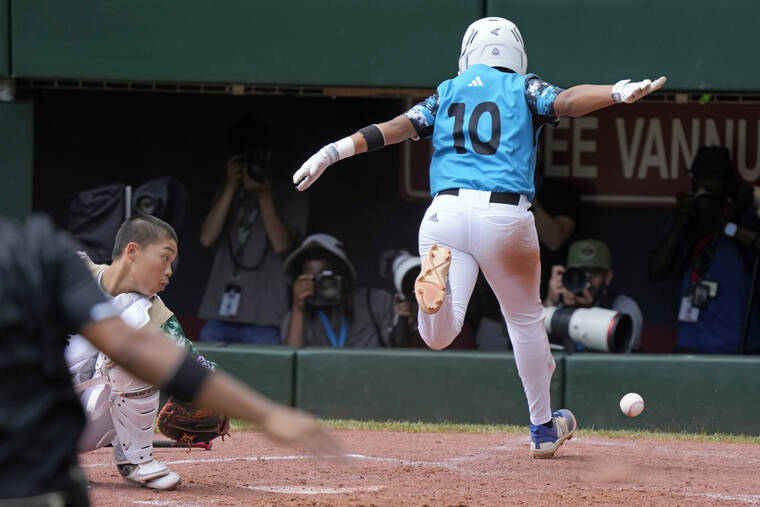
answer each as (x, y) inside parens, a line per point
(701, 293)
(688, 312)
(230, 301)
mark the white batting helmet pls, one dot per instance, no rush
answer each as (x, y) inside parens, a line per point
(495, 42)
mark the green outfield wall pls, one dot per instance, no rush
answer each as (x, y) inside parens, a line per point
(16, 158)
(413, 385)
(682, 393)
(5, 39)
(270, 369)
(329, 42)
(699, 45)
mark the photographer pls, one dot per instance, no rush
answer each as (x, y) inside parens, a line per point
(713, 241)
(253, 223)
(328, 309)
(584, 282)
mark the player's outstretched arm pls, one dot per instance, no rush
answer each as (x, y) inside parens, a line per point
(583, 99)
(156, 359)
(370, 138)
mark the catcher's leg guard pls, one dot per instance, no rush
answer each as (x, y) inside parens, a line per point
(134, 405)
(81, 359)
(99, 430)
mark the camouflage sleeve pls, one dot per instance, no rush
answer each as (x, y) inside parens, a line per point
(423, 115)
(172, 328)
(540, 96)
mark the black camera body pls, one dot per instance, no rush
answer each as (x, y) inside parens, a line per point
(708, 208)
(576, 280)
(328, 289)
(255, 166)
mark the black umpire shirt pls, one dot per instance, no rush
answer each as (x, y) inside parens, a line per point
(46, 292)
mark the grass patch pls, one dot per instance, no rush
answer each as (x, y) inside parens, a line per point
(422, 427)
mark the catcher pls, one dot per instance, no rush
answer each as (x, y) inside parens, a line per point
(121, 409)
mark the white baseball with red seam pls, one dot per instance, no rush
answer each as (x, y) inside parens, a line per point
(632, 404)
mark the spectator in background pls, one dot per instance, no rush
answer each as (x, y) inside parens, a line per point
(555, 210)
(594, 258)
(712, 242)
(254, 222)
(327, 308)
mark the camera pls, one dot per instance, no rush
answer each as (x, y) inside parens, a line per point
(402, 269)
(576, 280)
(406, 269)
(328, 289)
(597, 329)
(255, 166)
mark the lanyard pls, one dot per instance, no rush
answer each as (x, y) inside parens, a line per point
(329, 330)
(703, 253)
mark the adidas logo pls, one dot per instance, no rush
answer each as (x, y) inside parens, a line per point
(433, 217)
(476, 82)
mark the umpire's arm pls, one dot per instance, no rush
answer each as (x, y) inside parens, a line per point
(155, 359)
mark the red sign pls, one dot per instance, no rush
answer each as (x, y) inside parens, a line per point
(629, 154)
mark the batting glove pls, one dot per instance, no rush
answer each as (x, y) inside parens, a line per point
(629, 92)
(315, 166)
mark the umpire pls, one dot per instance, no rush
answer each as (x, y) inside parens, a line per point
(46, 293)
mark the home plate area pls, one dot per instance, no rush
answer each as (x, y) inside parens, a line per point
(457, 469)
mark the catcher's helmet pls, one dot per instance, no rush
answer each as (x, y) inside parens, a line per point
(495, 42)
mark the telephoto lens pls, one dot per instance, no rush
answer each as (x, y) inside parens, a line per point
(597, 329)
(406, 268)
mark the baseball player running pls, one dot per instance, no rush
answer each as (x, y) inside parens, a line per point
(485, 123)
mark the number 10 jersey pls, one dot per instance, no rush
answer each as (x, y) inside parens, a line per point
(485, 124)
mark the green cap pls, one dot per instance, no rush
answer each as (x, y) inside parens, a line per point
(589, 253)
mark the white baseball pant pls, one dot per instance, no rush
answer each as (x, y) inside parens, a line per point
(501, 240)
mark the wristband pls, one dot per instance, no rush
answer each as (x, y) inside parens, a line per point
(617, 88)
(187, 379)
(374, 137)
(340, 150)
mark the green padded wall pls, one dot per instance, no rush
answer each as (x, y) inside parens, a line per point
(269, 370)
(16, 158)
(699, 44)
(398, 43)
(5, 39)
(681, 393)
(414, 385)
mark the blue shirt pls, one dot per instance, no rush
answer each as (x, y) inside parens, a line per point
(719, 326)
(485, 138)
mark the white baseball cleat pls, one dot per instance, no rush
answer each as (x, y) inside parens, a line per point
(430, 285)
(152, 475)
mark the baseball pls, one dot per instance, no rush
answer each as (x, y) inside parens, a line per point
(632, 404)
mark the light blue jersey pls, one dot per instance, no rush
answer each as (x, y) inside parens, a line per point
(485, 135)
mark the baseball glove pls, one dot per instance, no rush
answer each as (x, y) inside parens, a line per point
(183, 422)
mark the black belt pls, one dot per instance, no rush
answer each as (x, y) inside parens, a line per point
(497, 197)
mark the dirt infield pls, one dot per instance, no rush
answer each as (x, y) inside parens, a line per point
(453, 469)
